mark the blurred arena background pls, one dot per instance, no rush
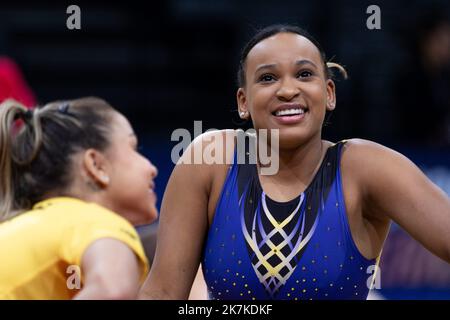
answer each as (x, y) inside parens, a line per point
(170, 63)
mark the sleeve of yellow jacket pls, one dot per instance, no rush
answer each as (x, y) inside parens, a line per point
(94, 222)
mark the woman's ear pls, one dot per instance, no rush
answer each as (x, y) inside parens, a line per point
(331, 95)
(96, 164)
(242, 104)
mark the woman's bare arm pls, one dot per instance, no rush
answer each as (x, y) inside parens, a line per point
(182, 228)
(110, 270)
(394, 187)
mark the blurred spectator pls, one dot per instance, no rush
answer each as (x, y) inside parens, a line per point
(422, 89)
(13, 85)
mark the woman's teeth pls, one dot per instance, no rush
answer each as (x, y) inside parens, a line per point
(289, 112)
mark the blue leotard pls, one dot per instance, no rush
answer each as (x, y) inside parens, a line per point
(258, 248)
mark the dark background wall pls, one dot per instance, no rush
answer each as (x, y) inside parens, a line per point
(172, 62)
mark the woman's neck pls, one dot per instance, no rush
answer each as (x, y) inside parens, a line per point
(300, 163)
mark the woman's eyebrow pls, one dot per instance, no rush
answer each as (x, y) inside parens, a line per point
(265, 66)
(298, 63)
(305, 61)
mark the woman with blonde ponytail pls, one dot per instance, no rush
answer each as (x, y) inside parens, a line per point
(72, 185)
(10, 111)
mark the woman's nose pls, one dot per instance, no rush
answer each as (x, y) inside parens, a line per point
(288, 90)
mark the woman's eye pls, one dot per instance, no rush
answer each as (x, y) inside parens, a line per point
(305, 74)
(266, 78)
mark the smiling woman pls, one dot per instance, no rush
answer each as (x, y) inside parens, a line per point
(315, 228)
(261, 78)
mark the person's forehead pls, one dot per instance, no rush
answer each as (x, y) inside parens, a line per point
(121, 125)
(283, 47)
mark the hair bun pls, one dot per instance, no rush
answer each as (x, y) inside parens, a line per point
(339, 67)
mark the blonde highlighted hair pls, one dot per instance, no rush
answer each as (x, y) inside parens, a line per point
(341, 69)
(35, 159)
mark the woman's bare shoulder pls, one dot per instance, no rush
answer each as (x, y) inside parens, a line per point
(373, 166)
(357, 150)
(206, 157)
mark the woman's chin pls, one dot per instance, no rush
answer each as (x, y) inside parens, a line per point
(152, 215)
(147, 217)
(291, 140)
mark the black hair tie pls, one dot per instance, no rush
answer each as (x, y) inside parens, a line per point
(28, 115)
(25, 115)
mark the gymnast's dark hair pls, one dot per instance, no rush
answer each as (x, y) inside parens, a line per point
(37, 158)
(280, 28)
